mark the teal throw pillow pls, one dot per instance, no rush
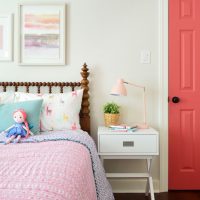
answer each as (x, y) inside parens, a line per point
(32, 109)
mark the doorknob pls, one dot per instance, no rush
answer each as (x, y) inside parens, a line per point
(175, 99)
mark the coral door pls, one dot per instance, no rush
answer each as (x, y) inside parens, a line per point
(184, 94)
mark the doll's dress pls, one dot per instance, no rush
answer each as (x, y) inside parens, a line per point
(17, 130)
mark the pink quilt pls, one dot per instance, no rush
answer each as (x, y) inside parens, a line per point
(54, 170)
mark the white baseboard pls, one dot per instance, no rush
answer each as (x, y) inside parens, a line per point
(131, 185)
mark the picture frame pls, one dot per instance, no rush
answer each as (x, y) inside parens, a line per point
(42, 34)
(6, 37)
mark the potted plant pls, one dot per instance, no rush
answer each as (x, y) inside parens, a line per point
(111, 114)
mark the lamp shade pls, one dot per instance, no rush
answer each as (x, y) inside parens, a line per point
(119, 89)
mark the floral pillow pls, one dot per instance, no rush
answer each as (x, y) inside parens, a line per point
(59, 111)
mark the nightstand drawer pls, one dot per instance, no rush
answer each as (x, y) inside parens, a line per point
(135, 144)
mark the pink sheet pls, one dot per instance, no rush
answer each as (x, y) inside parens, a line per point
(54, 170)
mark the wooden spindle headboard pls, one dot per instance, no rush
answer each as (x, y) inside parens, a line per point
(84, 83)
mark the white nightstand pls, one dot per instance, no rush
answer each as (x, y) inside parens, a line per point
(140, 144)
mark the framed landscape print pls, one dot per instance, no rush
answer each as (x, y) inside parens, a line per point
(42, 34)
(6, 24)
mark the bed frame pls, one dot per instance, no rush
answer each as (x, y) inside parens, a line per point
(85, 111)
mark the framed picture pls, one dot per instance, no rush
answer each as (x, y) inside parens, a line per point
(6, 24)
(42, 34)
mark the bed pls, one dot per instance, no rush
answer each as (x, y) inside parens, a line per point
(57, 164)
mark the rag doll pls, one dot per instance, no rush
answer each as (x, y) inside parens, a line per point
(19, 129)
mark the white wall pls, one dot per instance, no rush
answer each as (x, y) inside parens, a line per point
(108, 35)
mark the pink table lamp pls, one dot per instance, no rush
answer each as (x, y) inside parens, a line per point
(120, 90)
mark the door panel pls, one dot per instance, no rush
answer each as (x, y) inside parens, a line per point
(184, 82)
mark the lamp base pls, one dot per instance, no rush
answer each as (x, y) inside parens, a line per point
(142, 126)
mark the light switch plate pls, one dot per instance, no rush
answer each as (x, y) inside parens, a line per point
(145, 57)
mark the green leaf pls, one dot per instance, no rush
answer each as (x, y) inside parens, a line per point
(111, 108)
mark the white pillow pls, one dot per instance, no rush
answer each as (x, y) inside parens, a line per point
(59, 111)
(7, 97)
(22, 96)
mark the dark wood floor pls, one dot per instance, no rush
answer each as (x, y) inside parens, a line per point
(171, 195)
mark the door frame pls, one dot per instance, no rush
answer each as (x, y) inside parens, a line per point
(163, 92)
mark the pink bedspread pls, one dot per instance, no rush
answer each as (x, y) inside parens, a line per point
(54, 170)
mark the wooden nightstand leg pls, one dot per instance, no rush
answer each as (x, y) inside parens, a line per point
(149, 180)
(148, 170)
(147, 188)
(102, 160)
(151, 188)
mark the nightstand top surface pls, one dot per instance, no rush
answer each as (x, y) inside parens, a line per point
(107, 130)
